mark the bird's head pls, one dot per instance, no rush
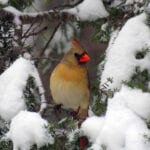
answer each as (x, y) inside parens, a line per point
(77, 54)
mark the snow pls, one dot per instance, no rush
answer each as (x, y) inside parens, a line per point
(38, 84)
(129, 2)
(89, 10)
(16, 13)
(12, 10)
(135, 102)
(104, 26)
(27, 129)
(12, 85)
(122, 128)
(3, 2)
(121, 59)
(92, 127)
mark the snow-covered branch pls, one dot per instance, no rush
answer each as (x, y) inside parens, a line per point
(83, 10)
(29, 18)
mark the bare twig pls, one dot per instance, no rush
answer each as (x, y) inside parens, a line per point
(35, 33)
(48, 58)
(37, 26)
(28, 30)
(18, 35)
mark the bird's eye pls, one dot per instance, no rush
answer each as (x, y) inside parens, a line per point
(77, 55)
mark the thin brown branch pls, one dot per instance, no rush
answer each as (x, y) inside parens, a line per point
(34, 27)
(47, 58)
(37, 26)
(28, 30)
(35, 33)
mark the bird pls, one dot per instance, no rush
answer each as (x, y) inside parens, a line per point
(69, 81)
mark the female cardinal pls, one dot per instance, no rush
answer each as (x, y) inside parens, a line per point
(69, 83)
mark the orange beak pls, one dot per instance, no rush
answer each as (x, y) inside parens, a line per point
(84, 58)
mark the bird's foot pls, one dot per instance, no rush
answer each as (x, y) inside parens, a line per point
(82, 115)
(80, 121)
(57, 108)
(74, 113)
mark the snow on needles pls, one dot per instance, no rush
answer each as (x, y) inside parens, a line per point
(16, 12)
(12, 84)
(27, 129)
(121, 59)
(3, 2)
(122, 128)
(89, 10)
(124, 125)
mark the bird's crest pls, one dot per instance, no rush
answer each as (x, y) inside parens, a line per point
(75, 42)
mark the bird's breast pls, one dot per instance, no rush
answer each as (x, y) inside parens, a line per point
(69, 85)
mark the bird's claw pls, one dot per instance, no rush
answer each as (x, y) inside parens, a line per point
(74, 115)
(57, 108)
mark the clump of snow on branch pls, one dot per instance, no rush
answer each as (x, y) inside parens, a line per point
(3, 2)
(16, 13)
(38, 83)
(89, 10)
(121, 59)
(27, 129)
(12, 85)
(117, 3)
(133, 1)
(92, 127)
(123, 127)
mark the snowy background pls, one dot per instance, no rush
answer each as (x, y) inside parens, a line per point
(124, 125)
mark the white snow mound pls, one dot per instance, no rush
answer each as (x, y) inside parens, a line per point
(89, 10)
(121, 61)
(122, 128)
(12, 84)
(27, 129)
